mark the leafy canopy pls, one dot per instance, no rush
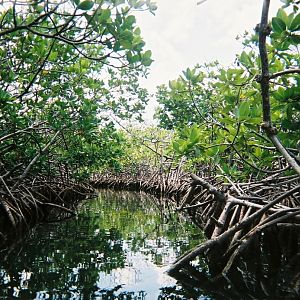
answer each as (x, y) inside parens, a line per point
(68, 68)
(217, 111)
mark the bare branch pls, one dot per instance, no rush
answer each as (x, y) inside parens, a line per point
(285, 72)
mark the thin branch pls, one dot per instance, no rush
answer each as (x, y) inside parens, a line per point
(141, 140)
(21, 27)
(211, 189)
(292, 162)
(285, 72)
(213, 120)
(37, 72)
(273, 148)
(257, 168)
(26, 130)
(34, 160)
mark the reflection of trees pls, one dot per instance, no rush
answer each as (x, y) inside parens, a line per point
(70, 255)
(141, 224)
(67, 258)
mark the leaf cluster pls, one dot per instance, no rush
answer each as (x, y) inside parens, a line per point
(217, 111)
(68, 68)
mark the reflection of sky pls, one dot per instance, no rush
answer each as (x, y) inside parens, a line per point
(140, 273)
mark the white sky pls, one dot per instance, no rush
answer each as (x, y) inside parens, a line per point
(182, 34)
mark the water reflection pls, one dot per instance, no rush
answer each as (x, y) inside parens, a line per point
(117, 248)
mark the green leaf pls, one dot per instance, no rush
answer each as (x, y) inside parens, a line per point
(147, 54)
(147, 62)
(255, 121)
(288, 93)
(195, 135)
(228, 120)
(281, 14)
(245, 59)
(287, 124)
(295, 25)
(130, 20)
(290, 19)
(146, 58)
(138, 44)
(289, 111)
(251, 126)
(126, 44)
(117, 46)
(172, 84)
(188, 74)
(222, 75)
(278, 25)
(85, 5)
(84, 63)
(132, 58)
(180, 146)
(225, 168)
(244, 109)
(212, 151)
(279, 94)
(104, 16)
(176, 146)
(53, 56)
(126, 35)
(137, 31)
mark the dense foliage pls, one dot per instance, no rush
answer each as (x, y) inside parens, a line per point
(67, 69)
(218, 112)
(70, 68)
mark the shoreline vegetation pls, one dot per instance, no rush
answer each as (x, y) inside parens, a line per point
(225, 151)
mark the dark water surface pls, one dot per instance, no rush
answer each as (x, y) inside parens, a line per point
(117, 248)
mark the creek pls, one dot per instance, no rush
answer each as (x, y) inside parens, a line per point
(118, 247)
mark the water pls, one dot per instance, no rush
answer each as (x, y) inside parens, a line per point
(118, 247)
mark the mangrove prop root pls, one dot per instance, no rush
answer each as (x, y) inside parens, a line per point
(232, 215)
(39, 199)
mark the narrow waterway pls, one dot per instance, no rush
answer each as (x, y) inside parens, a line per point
(118, 247)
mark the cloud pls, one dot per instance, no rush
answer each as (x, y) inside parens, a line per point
(183, 33)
